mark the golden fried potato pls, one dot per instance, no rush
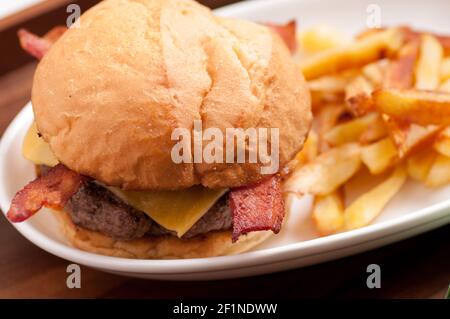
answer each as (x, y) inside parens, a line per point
(442, 142)
(439, 173)
(326, 118)
(445, 69)
(382, 100)
(320, 38)
(421, 107)
(429, 63)
(330, 84)
(368, 206)
(350, 131)
(418, 165)
(310, 149)
(374, 132)
(327, 172)
(375, 72)
(356, 54)
(400, 72)
(379, 156)
(328, 213)
(408, 137)
(358, 96)
(445, 86)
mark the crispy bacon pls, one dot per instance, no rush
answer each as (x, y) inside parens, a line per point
(33, 44)
(52, 190)
(38, 46)
(286, 32)
(257, 207)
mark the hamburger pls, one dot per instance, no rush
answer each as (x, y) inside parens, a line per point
(107, 96)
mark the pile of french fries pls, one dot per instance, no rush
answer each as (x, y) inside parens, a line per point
(381, 104)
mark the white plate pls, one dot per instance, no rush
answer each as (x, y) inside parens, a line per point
(414, 211)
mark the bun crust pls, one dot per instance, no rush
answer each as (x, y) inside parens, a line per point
(109, 94)
(165, 247)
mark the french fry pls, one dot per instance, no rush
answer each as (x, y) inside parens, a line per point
(445, 87)
(411, 35)
(328, 213)
(326, 173)
(326, 119)
(400, 72)
(429, 63)
(356, 54)
(421, 107)
(320, 99)
(442, 142)
(400, 75)
(379, 156)
(307, 154)
(374, 132)
(439, 173)
(310, 149)
(418, 165)
(375, 72)
(368, 206)
(330, 89)
(408, 137)
(358, 96)
(328, 116)
(331, 84)
(445, 69)
(359, 85)
(360, 104)
(444, 40)
(368, 32)
(321, 38)
(382, 100)
(350, 131)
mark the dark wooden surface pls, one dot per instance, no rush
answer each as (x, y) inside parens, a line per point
(414, 268)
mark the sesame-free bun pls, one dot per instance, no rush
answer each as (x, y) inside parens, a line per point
(109, 94)
(215, 243)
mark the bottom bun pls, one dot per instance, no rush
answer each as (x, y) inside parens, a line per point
(217, 243)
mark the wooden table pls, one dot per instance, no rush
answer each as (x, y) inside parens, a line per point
(414, 268)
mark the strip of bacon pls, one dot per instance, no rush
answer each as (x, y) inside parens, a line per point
(52, 190)
(287, 32)
(257, 207)
(38, 46)
(33, 44)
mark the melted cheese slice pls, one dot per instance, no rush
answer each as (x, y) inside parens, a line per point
(174, 210)
(36, 150)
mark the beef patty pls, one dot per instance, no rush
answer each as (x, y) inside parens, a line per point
(98, 209)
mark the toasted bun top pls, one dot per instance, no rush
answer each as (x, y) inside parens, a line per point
(110, 93)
